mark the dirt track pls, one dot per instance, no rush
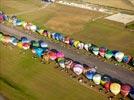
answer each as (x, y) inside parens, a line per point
(103, 67)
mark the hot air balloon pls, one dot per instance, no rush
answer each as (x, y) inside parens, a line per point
(105, 79)
(119, 56)
(40, 31)
(81, 45)
(43, 44)
(78, 69)
(53, 35)
(115, 88)
(45, 33)
(71, 42)
(76, 43)
(89, 75)
(61, 62)
(60, 54)
(108, 54)
(26, 46)
(52, 55)
(19, 44)
(126, 59)
(132, 93)
(87, 46)
(13, 40)
(125, 89)
(102, 51)
(33, 28)
(18, 22)
(107, 86)
(95, 50)
(66, 40)
(68, 63)
(39, 51)
(35, 44)
(24, 40)
(97, 78)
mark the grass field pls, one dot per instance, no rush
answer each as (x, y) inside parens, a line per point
(24, 78)
(74, 22)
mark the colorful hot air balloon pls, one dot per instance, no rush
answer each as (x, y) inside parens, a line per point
(107, 86)
(67, 40)
(87, 46)
(52, 55)
(105, 79)
(43, 45)
(95, 50)
(78, 69)
(39, 51)
(102, 51)
(108, 54)
(60, 54)
(61, 62)
(76, 43)
(97, 78)
(68, 63)
(90, 74)
(119, 56)
(125, 89)
(26, 46)
(19, 44)
(81, 45)
(24, 40)
(35, 44)
(33, 28)
(40, 31)
(115, 88)
(71, 42)
(14, 40)
(126, 59)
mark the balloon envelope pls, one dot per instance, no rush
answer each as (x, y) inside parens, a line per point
(87, 46)
(115, 88)
(126, 59)
(68, 63)
(132, 93)
(107, 86)
(119, 56)
(39, 51)
(125, 89)
(78, 69)
(97, 79)
(43, 44)
(60, 54)
(105, 79)
(89, 75)
(26, 46)
(52, 55)
(108, 54)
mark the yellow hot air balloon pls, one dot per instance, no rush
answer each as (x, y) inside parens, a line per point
(115, 88)
(76, 43)
(20, 45)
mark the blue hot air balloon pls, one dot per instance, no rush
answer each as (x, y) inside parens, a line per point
(90, 75)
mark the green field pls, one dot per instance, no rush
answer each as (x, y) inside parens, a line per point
(24, 78)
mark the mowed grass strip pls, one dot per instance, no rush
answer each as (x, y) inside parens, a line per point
(25, 78)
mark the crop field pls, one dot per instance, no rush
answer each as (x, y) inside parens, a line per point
(25, 78)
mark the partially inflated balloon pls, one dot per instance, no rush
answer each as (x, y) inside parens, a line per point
(97, 78)
(115, 88)
(78, 69)
(125, 89)
(119, 56)
(105, 79)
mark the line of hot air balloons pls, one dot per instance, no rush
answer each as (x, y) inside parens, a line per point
(41, 49)
(101, 51)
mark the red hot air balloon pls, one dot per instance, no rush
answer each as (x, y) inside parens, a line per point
(107, 86)
(125, 89)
